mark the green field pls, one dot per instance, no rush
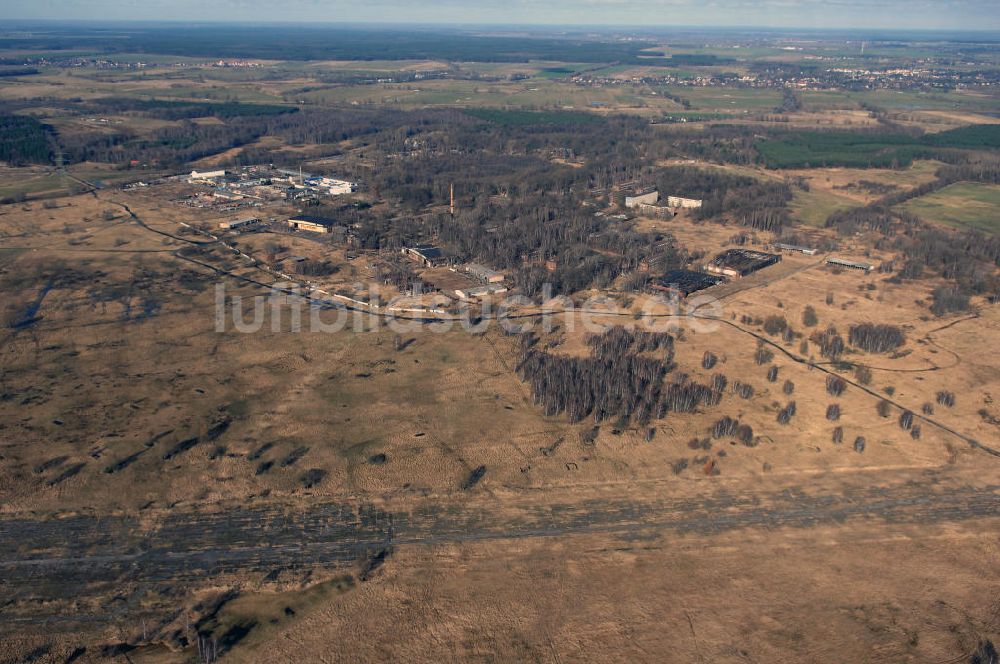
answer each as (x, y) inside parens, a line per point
(964, 205)
(814, 206)
(729, 100)
(807, 149)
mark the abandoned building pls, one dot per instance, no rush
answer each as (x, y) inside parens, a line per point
(483, 273)
(305, 222)
(477, 292)
(736, 263)
(649, 198)
(681, 202)
(239, 224)
(681, 283)
(854, 265)
(428, 255)
(808, 251)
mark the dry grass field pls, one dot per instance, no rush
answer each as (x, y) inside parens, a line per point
(388, 493)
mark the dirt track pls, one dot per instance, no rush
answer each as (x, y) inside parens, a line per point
(53, 568)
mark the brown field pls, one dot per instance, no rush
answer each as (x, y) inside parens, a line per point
(567, 548)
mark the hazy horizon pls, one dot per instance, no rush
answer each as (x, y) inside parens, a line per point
(964, 15)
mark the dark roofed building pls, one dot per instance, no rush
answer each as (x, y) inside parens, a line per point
(429, 255)
(737, 263)
(684, 282)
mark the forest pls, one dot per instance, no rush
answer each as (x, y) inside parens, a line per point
(873, 149)
(23, 140)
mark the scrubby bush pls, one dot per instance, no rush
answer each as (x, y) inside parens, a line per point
(830, 343)
(727, 426)
(700, 444)
(775, 324)
(948, 299)
(884, 408)
(946, 398)
(744, 390)
(786, 413)
(763, 355)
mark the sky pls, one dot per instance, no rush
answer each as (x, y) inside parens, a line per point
(877, 14)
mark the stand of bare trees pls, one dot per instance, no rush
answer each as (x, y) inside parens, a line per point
(618, 381)
(876, 338)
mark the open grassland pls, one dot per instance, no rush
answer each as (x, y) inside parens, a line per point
(964, 205)
(812, 207)
(284, 488)
(534, 93)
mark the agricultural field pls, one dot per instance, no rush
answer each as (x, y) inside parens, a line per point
(964, 205)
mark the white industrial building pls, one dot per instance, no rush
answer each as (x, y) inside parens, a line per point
(206, 176)
(650, 198)
(686, 203)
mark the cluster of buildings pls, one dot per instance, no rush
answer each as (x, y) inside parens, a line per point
(648, 204)
(730, 264)
(471, 281)
(925, 75)
(269, 184)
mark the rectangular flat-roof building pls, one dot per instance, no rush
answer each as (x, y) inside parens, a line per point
(736, 263)
(483, 273)
(239, 224)
(794, 247)
(649, 198)
(201, 176)
(854, 265)
(681, 202)
(427, 254)
(306, 222)
(477, 292)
